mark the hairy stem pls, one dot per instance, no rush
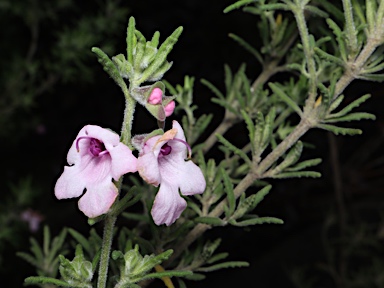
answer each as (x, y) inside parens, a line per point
(110, 219)
(106, 250)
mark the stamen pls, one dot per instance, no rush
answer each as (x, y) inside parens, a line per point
(81, 138)
(186, 144)
(96, 147)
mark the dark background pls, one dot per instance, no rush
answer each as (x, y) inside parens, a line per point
(279, 255)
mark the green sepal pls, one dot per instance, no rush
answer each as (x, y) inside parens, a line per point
(256, 221)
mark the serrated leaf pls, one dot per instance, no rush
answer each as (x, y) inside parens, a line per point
(229, 264)
(339, 130)
(257, 221)
(304, 164)
(214, 221)
(352, 105)
(250, 203)
(336, 103)
(291, 158)
(351, 117)
(297, 174)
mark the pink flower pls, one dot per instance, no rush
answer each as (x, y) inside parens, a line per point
(162, 162)
(96, 156)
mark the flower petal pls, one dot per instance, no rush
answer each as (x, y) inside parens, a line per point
(94, 170)
(148, 168)
(98, 199)
(69, 185)
(190, 179)
(110, 139)
(168, 205)
(123, 161)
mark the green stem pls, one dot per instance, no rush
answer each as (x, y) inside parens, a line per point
(110, 220)
(105, 250)
(298, 12)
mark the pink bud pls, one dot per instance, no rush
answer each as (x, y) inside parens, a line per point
(169, 108)
(156, 96)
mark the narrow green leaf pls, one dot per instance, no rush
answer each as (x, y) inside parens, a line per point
(195, 277)
(371, 77)
(28, 258)
(257, 221)
(297, 174)
(35, 248)
(228, 77)
(291, 158)
(214, 221)
(217, 257)
(110, 68)
(229, 264)
(229, 189)
(213, 88)
(351, 117)
(352, 105)
(336, 103)
(247, 47)
(315, 10)
(238, 5)
(45, 280)
(329, 57)
(161, 55)
(234, 149)
(285, 98)
(250, 127)
(169, 274)
(81, 240)
(305, 164)
(155, 39)
(130, 39)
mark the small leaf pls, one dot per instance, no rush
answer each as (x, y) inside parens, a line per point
(304, 164)
(230, 195)
(297, 174)
(213, 88)
(339, 130)
(352, 105)
(45, 280)
(351, 117)
(247, 47)
(229, 264)
(234, 149)
(257, 221)
(169, 274)
(237, 5)
(130, 39)
(285, 98)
